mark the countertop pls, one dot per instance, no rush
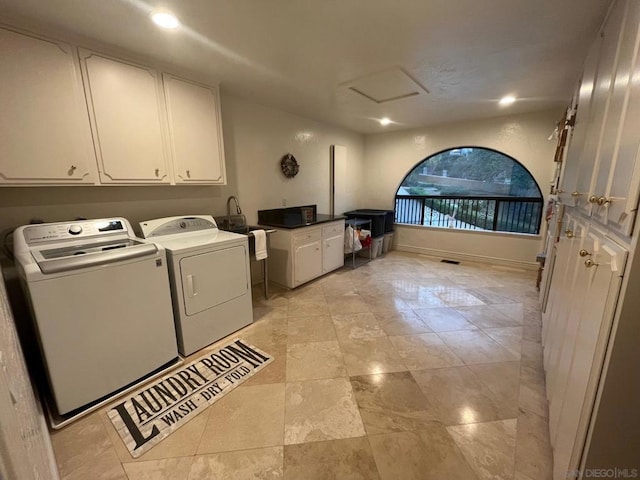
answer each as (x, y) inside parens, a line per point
(296, 222)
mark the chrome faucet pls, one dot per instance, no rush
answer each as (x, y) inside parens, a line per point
(238, 209)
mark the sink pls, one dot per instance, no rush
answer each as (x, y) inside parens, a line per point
(237, 225)
(247, 229)
(242, 229)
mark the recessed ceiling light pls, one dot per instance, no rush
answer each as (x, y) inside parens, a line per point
(165, 20)
(385, 121)
(508, 100)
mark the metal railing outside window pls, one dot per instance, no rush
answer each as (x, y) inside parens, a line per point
(495, 213)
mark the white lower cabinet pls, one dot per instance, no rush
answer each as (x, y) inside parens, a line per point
(332, 253)
(307, 262)
(299, 255)
(44, 128)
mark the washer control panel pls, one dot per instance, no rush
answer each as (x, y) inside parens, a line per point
(51, 232)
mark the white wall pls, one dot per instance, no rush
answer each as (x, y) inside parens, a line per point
(390, 156)
(255, 138)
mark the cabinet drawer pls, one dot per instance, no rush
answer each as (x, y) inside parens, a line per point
(332, 230)
(307, 236)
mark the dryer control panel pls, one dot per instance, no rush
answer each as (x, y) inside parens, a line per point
(173, 225)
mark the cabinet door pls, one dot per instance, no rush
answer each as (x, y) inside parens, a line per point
(332, 253)
(560, 298)
(624, 176)
(569, 181)
(307, 262)
(44, 127)
(618, 105)
(127, 120)
(599, 106)
(601, 274)
(566, 333)
(195, 131)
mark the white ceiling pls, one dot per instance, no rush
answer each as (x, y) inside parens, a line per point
(301, 55)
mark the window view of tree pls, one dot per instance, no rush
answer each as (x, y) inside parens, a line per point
(470, 188)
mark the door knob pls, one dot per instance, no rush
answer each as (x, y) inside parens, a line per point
(569, 233)
(576, 194)
(583, 253)
(593, 199)
(590, 263)
(603, 201)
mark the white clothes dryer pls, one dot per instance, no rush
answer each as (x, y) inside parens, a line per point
(209, 275)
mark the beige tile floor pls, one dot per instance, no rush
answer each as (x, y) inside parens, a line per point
(405, 368)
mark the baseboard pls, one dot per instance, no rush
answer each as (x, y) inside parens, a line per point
(503, 262)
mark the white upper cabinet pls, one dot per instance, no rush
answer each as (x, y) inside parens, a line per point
(195, 131)
(617, 183)
(600, 104)
(569, 183)
(44, 128)
(126, 111)
(602, 171)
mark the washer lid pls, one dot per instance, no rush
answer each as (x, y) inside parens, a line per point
(81, 256)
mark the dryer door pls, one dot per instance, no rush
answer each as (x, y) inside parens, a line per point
(212, 278)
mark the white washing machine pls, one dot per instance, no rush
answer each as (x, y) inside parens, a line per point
(101, 304)
(210, 278)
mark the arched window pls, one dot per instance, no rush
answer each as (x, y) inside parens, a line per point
(470, 188)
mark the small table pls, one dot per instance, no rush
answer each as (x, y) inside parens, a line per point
(354, 223)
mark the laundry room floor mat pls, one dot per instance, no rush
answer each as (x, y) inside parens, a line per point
(150, 414)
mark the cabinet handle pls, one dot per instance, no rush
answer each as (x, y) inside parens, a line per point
(157, 172)
(593, 199)
(603, 201)
(188, 174)
(590, 263)
(569, 233)
(584, 253)
(576, 194)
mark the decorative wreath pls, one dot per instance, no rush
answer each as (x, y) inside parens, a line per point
(289, 166)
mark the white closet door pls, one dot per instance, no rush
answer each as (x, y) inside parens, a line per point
(601, 274)
(566, 334)
(554, 320)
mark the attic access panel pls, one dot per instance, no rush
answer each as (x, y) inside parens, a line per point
(386, 86)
